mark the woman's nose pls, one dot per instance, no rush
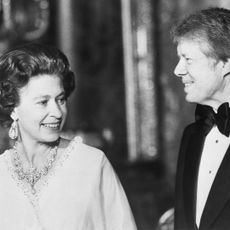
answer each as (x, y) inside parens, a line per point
(180, 69)
(55, 110)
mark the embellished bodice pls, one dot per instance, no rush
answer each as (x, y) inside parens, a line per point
(81, 191)
(23, 186)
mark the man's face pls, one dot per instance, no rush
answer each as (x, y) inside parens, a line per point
(202, 76)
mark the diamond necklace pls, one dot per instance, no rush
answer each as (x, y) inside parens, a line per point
(33, 174)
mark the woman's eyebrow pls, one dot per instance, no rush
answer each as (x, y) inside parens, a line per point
(48, 96)
(42, 97)
(61, 94)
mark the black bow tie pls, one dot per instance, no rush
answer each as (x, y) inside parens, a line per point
(204, 114)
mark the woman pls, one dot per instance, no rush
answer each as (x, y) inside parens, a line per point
(47, 182)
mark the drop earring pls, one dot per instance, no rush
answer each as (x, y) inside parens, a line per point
(13, 131)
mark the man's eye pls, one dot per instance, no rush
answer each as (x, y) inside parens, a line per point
(43, 102)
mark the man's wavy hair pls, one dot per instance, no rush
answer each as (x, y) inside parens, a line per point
(210, 27)
(20, 64)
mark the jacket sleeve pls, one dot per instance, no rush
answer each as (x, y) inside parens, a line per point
(180, 218)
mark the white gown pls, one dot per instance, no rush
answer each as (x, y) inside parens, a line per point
(81, 192)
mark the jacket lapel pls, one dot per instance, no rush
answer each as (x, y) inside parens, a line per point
(219, 193)
(194, 149)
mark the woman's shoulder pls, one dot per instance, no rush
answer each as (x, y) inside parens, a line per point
(4, 154)
(78, 148)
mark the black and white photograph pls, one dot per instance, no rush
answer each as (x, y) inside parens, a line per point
(114, 115)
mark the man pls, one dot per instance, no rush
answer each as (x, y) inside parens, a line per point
(203, 171)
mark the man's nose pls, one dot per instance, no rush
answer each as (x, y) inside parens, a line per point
(180, 69)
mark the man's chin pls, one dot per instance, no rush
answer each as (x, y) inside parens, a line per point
(188, 99)
(191, 99)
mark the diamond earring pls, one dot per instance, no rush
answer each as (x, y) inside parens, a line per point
(13, 131)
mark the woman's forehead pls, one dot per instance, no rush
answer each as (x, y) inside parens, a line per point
(42, 85)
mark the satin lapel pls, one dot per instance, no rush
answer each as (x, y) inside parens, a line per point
(219, 194)
(194, 150)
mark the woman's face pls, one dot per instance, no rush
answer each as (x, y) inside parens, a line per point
(42, 110)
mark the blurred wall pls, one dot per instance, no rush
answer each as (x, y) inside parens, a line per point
(98, 109)
(94, 46)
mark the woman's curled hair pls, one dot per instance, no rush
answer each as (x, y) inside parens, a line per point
(20, 64)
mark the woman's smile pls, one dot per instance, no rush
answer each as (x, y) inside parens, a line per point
(52, 126)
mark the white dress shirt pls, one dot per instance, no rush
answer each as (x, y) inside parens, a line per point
(215, 147)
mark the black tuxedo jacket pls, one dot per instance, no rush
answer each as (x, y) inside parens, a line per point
(216, 214)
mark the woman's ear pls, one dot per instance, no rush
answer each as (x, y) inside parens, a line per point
(14, 114)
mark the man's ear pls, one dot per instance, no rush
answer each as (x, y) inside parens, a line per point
(226, 68)
(14, 114)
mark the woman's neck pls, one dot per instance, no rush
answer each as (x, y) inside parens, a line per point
(33, 153)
